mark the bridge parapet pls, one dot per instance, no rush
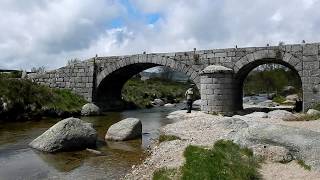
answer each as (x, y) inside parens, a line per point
(78, 77)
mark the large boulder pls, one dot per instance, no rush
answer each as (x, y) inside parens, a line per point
(196, 105)
(288, 90)
(313, 112)
(126, 129)
(90, 109)
(282, 114)
(66, 135)
(169, 105)
(158, 102)
(301, 143)
(292, 97)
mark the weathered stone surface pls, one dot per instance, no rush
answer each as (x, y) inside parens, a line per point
(158, 102)
(272, 153)
(281, 114)
(301, 143)
(68, 134)
(292, 97)
(257, 115)
(215, 69)
(268, 103)
(90, 109)
(126, 129)
(169, 105)
(313, 112)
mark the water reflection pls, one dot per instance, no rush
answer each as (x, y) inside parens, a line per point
(18, 161)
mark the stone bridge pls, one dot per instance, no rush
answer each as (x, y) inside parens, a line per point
(219, 73)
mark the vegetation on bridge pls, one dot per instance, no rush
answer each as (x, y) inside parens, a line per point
(23, 99)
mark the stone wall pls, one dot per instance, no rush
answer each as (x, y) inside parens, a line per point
(78, 77)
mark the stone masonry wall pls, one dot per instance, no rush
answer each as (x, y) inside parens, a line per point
(76, 77)
(218, 92)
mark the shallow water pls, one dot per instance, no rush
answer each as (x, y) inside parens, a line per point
(18, 161)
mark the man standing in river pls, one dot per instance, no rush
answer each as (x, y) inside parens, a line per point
(189, 95)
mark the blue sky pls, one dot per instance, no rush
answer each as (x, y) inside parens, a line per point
(48, 33)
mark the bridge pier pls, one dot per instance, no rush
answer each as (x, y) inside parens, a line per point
(219, 91)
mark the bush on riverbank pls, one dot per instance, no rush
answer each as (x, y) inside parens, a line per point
(226, 160)
(24, 98)
(142, 92)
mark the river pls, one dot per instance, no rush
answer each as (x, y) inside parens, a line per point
(18, 161)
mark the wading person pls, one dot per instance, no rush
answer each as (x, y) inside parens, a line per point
(189, 96)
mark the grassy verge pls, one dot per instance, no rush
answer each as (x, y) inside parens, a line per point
(307, 117)
(142, 92)
(25, 98)
(225, 160)
(279, 99)
(166, 174)
(163, 138)
(304, 165)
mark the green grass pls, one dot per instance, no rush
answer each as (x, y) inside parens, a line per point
(14, 74)
(279, 99)
(306, 117)
(21, 94)
(142, 92)
(163, 138)
(303, 164)
(165, 174)
(316, 106)
(224, 161)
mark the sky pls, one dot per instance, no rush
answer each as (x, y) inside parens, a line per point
(48, 33)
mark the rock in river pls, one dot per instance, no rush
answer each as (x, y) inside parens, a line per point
(158, 102)
(66, 135)
(90, 109)
(126, 129)
(313, 112)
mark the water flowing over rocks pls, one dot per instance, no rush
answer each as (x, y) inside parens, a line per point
(90, 109)
(126, 129)
(66, 135)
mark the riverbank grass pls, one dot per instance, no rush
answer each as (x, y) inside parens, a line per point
(163, 138)
(27, 99)
(303, 164)
(226, 160)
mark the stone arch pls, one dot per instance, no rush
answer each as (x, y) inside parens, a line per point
(250, 61)
(110, 80)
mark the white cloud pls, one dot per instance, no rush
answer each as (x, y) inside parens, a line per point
(47, 32)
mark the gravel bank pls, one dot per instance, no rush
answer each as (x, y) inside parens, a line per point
(202, 129)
